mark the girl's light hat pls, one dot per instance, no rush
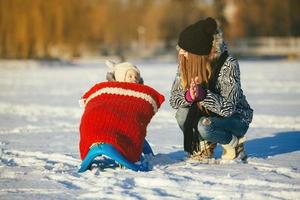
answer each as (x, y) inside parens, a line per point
(121, 69)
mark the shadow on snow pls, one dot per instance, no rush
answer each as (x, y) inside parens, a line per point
(280, 143)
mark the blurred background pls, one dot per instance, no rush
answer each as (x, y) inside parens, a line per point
(72, 29)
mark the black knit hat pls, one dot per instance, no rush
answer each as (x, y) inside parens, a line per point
(198, 37)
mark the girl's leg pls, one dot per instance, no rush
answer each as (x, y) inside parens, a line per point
(220, 130)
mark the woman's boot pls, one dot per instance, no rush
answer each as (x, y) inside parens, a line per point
(235, 149)
(206, 151)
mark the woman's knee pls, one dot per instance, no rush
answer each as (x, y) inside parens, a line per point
(205, 128)
(181, 115)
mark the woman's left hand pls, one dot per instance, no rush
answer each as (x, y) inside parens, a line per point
(197, 92)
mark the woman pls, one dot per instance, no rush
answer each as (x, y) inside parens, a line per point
(207, 93)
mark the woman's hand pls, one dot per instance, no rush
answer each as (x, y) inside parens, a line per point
(194, 88)
(195, 92)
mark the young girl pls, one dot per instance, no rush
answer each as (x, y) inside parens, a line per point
(207, 93)
(117, 112)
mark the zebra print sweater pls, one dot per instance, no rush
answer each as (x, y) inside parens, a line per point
(227, 98)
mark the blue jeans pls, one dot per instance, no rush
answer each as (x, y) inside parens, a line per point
(215, 129)
(180, 116)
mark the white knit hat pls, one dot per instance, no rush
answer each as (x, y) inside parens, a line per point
(120, 69)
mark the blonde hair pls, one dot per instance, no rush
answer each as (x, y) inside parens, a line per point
(195, 65)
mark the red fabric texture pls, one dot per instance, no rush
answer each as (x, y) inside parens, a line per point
(118, 119)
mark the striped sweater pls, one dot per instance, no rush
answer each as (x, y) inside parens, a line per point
(227, 98)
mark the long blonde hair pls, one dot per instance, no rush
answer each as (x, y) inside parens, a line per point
(195, 65)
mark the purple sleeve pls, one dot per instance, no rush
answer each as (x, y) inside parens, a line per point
(201, 95)
(188, 97)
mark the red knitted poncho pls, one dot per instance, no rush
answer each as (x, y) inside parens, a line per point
(118, 113)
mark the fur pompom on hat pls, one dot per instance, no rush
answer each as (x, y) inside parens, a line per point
(120, 69)
(198, 37)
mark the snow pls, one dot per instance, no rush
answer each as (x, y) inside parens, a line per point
(39, 120)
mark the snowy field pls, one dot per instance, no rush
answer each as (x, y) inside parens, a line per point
(39, 120)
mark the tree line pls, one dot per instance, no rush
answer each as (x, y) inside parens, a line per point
(47, 29)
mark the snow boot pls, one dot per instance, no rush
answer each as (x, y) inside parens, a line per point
(206, 151)
(235, 150)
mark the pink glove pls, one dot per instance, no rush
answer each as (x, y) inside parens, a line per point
(201, 95)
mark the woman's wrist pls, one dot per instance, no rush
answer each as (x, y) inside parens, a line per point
(200, 97)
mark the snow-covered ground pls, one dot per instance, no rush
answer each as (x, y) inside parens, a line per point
(39, 120)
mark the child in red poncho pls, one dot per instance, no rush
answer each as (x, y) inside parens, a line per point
(117, 112)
